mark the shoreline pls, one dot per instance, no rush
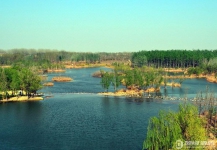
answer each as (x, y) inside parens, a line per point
(129, 93)
(22, 99)
(87, 66)
(209, 78)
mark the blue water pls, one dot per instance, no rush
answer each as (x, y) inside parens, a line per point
(77, 118)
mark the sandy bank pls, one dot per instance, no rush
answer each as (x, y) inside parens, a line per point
(211, 78)
(129, 93)
(21, 99)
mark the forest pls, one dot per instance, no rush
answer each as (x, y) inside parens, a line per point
(46, 58)
(173, 58)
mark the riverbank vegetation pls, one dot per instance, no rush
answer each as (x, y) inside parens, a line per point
(195, 121)
(136, 80)
(18, 78)
(198, 62)
(152, 68)
(45, 59)
(168, 127)
(201, 63)
(144, 70)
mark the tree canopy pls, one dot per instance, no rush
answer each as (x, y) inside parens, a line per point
(19, 78)
(173, 58)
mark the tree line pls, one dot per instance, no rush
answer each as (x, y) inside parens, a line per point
(45, 56)
(173, 58)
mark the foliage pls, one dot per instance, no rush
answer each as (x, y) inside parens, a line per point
(106, 80)
(116, 78)
(19, 78)
(206, 103)
(87, 57)
(43, 58)
(173, 58)
(29, 81)
(140, 61)
(139, 78)
(164, 130)
(129, 78)
(3, 83)
(196, 70)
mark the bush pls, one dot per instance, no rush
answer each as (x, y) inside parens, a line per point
(168, 127)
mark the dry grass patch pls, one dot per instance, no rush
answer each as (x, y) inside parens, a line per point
(48, 84)
(61, 79)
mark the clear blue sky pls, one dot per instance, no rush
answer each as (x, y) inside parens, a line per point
(108, 25)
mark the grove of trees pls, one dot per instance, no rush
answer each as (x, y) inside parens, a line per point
(140, 78)
(18, 78)
(173, 58)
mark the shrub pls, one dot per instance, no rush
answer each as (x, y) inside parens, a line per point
(168, 127)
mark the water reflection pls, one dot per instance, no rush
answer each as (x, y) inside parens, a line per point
(106, 102)
(22, 111)
(165, 92)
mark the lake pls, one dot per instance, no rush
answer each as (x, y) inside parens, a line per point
(77, 118)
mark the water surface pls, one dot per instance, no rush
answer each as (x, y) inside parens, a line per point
(77, 118)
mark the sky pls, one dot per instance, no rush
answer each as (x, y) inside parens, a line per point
(108, 25)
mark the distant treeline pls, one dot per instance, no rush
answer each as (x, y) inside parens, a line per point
(173, 58)
(44, 56)
(155, 58)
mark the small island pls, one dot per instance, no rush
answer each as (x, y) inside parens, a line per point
(62, 79)
(131, 92)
